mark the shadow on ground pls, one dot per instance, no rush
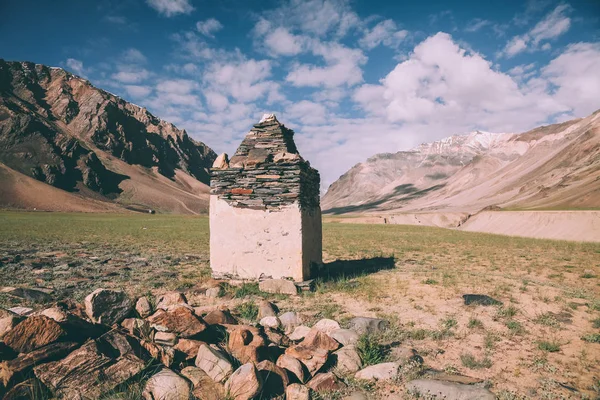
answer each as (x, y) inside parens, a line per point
(353, 268)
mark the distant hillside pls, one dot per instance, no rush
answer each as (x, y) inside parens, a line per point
(59, 129)
(555, 166)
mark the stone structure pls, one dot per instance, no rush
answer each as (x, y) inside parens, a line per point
(265, 216)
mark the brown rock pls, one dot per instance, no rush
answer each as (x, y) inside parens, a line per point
(296, 391)
(164, 354)
(143, 307)
(214, 363)
(245, 383)
(275, 379)
(8, 323)
(325, 382)
(278, 286)
(203, 386)
(166, 385)
(107, 306)
(31, 389)
(347, 360)
(33, 333)
(294, 367)
(189, 347)
(179, 320)
(318, 339)
(241, 191)
(220, 317)
(165, 338)
(163, 302)
(266, 309)
(246, 344)
(276, 337)
(312, 357)
(221, 162)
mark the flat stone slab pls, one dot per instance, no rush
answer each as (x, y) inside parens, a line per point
(278, 286)
(448, 390)
(480, 300)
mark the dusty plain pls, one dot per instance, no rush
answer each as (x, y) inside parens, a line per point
(541, 343)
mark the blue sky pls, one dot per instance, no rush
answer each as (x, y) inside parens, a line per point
(352, 78)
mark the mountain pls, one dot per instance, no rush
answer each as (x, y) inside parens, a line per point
(58, 129)
(555, 166)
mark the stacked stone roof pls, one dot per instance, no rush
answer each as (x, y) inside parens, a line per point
(266, 172)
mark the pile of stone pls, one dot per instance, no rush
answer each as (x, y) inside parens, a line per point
(266, 172)
(87, 351)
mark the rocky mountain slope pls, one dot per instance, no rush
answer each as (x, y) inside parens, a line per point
(555, 166)
(59, 129)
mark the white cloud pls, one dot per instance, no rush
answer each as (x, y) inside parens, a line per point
(281, 42)
(386, 33)
(177, 86)
(209, 27)
(133, 56)
(216, 101)
(307, 112)
(75, 66)
(244, 80)
(138, 91)
(552, 26)
(170, 8)
(476, 24)
(131, 75)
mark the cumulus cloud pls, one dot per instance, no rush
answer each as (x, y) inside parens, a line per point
(209, 27)
(552, 26)
(281, 42)
(244, 80)
(133, 56)
(138, 91)
(76, 66)
(307, 112)
(131, 76)
(170, 8)
(384, 33)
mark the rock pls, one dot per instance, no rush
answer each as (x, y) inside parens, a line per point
(21, 310)
(316, 338)
(289, 321)
(143, 307)
(8, 323)
(26, 361)
(76, 327)
(270, 322)
(480, 300)
(164, 301)
(30, 389)
(180, 320)
(274, 378)
(448, 390)
(221, 162)
(214, 363)
(294, 367)
(164, 354)
(442, 376)
(107, 306)
(356, 396)
(244, 384)
(299, 333)
(33, 333)
(347, 360)
(203, 386)
(325, 382)
(246, 343)
(278, 286)
(346, 337)
(277, 338)
(296, 391)
(366, 325)
(214, 292)
(312, 357)
(189, 347)
(266, 309)
(29, 294)
(326, 325)
(404, 355)
(138, 327)
(166, 385)
(94, 369)
(165, 338)
(220, 317)
(379, 372)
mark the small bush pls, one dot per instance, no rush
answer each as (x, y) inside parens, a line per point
(248, 310)
(587, 275)
(506, 312)
(474, 323)
(547, 319)
(490, 339)
(370, 351)
(515, 327)
(247, 289)
(430, 281)
(596, 323)
(592, 338)
(469, 361)
(550, 347)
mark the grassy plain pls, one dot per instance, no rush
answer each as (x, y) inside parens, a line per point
(542, 342)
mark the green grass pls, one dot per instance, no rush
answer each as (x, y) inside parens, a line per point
(470, 361)
(369, 350)
(591, 338)
(247, 310)
(549, 346)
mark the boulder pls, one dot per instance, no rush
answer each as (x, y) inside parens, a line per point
(266, 309)
(29, 294)
(367, 325)
(345, 337)
(214, 292)
(76, 327)
(448, 390)
(404, 355)
(8, 323)
(326, 325)
(244, 384)
(164, 301)
(165, 338)
(325, 382)
(108, 306)
(278, 286)
(347, 360)
(203, 386)
(180, 320)
(164, 354)
(33, 333)
(294, 367)
(221, 162)
(166, 385)
(312, 357)
(214, 363)
(246, 343)
(189, 347)
(270, 322)
(296, 391)
(276, 337)
(143, 307)
(299, 333)
(21, 310)
(220, 317)
(379, 372)
(275, 379)
(289, 321)
(138, 327)
(318, 339)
